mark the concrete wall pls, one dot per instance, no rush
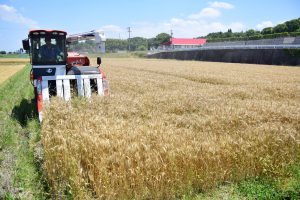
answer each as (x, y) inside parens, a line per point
(289, 57)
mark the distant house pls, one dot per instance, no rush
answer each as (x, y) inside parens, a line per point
(183, 43)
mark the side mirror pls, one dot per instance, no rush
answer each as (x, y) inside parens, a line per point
(26, 44)
(99, 61)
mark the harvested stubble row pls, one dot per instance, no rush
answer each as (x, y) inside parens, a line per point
(170, 128)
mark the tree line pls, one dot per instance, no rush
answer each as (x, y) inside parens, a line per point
(288, 28)
(115, 45)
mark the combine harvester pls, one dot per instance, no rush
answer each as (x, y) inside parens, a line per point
(56, 72)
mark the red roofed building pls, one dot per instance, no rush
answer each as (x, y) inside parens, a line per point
(183, 43)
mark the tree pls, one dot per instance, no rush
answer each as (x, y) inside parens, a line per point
(250, 32)
(268, 30)
(215, 35)
(138, 43)
(280, 28)
(239, 34)
(228, 33)
(151, 43)
(293, 25)
(2, 52)
(161, 38)
(114, 45)
(142, 48)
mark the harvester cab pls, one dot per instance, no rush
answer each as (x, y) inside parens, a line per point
(55, 72)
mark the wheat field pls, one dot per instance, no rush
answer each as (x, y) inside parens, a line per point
(9, 67)
(171, 128)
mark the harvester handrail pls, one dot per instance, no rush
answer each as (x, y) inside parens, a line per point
(63, 85)
(63, 88)
(70, 77)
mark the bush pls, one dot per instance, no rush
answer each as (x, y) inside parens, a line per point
(295, 34)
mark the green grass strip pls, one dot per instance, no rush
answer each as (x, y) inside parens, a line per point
(19, 134)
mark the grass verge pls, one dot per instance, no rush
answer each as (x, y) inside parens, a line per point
(257, 188)
(266, 188)
(19, 132)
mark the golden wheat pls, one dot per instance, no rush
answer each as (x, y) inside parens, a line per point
(169, 128)
(7, 70)
(14, 60)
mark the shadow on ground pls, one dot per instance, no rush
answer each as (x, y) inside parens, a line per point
(25, 111)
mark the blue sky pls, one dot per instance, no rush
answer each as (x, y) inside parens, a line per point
(147, 18)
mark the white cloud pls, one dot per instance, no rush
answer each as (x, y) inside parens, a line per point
(195, 25)
(185, 28)
(213, 11)
(112, 28)
(114, 31)
(223, 5)
(7, 8)
(10, 14)
(264, 24)
(206, 13)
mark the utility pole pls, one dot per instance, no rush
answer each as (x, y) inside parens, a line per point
(171, 39)
(129, 31)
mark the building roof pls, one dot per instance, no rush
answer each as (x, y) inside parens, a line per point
(186, 41)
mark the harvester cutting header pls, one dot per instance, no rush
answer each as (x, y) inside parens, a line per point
(56, 72)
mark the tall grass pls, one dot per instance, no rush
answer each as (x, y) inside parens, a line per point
(170, 128)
